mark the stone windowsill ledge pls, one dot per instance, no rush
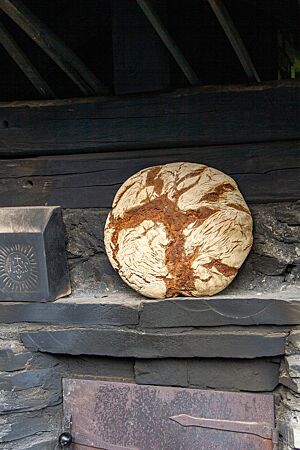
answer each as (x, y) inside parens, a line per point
(118, 309)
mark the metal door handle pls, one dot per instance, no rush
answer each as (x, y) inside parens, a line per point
(262, 430)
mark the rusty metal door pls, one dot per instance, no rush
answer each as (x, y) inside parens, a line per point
(119, 416)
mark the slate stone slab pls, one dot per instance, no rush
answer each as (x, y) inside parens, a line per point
(227, 342)
(14, 427)
(126, 309)
(293, 342)
(260, 374)
(30, 390)
(293, 365)
(96, 367)
(10, 361)
(246, 375)
(48, 441)
(162, 372)
(70, 311)
(222, 310)
(33, 264)
(10, 334)
(289, 382)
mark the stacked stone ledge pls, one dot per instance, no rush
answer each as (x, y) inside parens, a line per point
(288, 415)
(30, 395)
(31, 388)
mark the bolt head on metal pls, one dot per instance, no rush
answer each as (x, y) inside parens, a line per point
(65, 439)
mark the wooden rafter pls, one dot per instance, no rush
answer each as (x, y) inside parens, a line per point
(169, 42)
(234, 37)
(24, 63)
(55, 48)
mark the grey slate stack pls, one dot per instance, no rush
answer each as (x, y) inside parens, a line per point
(288, 410)
(259, 374)
(33, 264)
(71, 311)
(223, 342)
(278, 308)
(14, 428)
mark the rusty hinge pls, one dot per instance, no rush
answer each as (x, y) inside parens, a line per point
(262, 430)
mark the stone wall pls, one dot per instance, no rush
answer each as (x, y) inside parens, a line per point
(273, 263)
(288, 413)
(106, 331)
(31, 389)
(31, 382)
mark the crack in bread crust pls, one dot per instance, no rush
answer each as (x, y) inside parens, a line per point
(148, 203)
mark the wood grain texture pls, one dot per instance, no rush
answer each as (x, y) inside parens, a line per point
(196, 116)
(267, 172)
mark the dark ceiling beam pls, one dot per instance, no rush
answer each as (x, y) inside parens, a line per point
(234, 37)
(19, 57)
(169, 42)
(55, 48)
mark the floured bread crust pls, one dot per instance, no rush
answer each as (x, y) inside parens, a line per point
(178, 229)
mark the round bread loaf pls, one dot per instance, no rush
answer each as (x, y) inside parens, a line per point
(178, 229)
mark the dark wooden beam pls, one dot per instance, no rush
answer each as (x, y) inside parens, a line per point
(55, 48)
(24, 63)
(141, 60)
(192, 117)
(169, 42)
(267, 172)
(234, 37)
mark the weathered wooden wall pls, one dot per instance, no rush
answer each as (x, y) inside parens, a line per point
(77, 154)
(267, 172)
(192, 117)
(250, 132)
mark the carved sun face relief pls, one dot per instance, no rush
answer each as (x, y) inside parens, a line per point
(178, 229)
(18, 268)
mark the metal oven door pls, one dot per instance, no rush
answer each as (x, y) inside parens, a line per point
(119, 416)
